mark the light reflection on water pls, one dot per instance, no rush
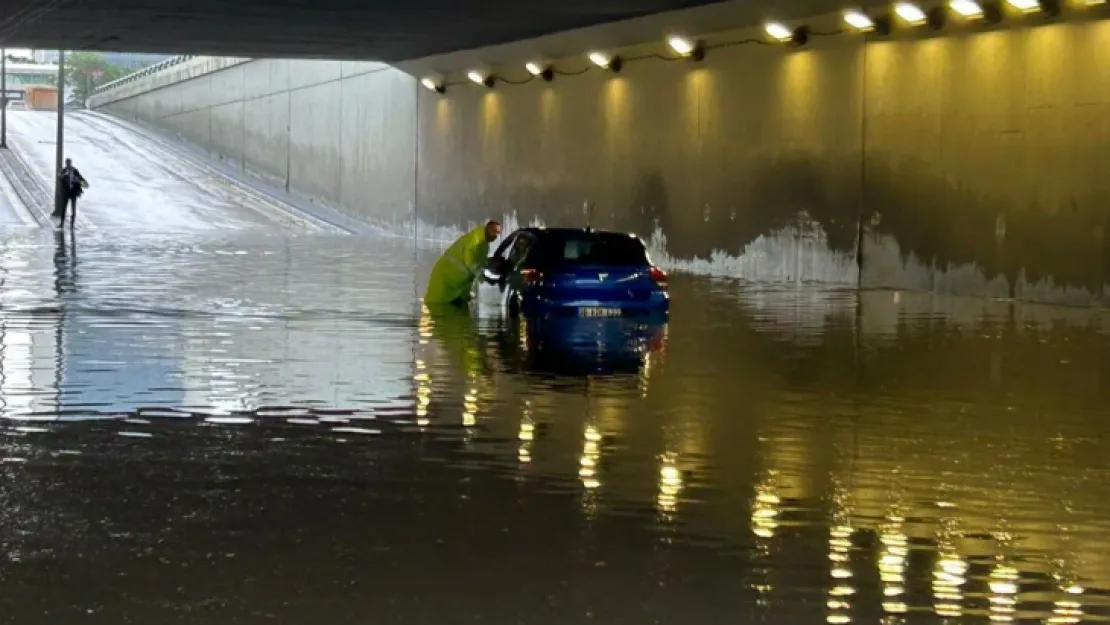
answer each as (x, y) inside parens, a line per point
(258, 428)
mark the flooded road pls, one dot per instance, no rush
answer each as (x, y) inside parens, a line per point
(248, 428)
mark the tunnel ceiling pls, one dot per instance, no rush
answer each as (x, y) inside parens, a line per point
(356, 29)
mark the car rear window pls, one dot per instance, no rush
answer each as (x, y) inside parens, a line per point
(589, 248)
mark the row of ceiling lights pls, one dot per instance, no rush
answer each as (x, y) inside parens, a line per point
(908, 12)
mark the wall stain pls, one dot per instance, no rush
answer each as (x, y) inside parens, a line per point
(943, 225)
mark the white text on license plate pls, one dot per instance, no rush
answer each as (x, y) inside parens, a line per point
(592, 311)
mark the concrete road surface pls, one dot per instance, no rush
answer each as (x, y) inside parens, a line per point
(136, 183)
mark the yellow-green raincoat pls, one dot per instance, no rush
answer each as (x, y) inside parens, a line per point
(454, 273)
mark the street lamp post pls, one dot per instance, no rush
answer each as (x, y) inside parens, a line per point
(3, 98)
(59, 154)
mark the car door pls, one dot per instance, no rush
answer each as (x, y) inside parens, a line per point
(519, 251)
(498, 267)
(514, 258)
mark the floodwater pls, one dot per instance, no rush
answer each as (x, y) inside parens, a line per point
(250, 428)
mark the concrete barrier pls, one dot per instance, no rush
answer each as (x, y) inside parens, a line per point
(165, 73)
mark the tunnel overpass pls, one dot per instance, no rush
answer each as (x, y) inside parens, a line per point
(953, 155)
(384, 31)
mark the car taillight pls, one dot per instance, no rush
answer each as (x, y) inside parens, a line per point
(531, 276)
(659, 276)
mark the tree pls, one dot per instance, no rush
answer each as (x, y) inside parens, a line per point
(85, 71)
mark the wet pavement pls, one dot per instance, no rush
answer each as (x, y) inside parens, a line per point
(137, 180)
(8, 214)
(12, 212)
(243, 427)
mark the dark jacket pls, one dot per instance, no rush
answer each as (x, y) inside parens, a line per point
(72, 181)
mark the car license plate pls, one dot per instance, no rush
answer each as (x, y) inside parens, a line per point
(591, 311)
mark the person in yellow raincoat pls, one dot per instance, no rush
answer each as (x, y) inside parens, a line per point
(455, 272)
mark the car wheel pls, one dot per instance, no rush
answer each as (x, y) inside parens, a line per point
(514, 306)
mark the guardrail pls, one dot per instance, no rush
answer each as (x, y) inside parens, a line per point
(143, 73)
(163, 74)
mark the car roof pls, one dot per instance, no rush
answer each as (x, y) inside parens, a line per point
(544, 231)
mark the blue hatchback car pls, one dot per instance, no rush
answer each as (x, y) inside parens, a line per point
(577, 272)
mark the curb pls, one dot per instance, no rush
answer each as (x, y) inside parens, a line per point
(27, 186)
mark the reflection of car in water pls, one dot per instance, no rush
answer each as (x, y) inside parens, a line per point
(579, 273)
(566, 345)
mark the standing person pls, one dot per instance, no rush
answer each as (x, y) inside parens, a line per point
(455, 272)
(73, 185)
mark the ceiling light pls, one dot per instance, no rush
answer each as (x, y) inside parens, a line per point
(1050, 7)
(967, 8)
(433, 84)
(799, 36)
(862, 22)
(606, 61)
(911, 13)
(689, 48)
(480, 78)
(778, 31)
(540, 70)
(601, 59)
(859, 21)
(681, 45)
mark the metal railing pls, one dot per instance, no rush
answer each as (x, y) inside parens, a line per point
(143, 73)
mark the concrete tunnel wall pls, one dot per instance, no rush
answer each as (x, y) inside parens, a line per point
(341, 133)
(969, 162)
